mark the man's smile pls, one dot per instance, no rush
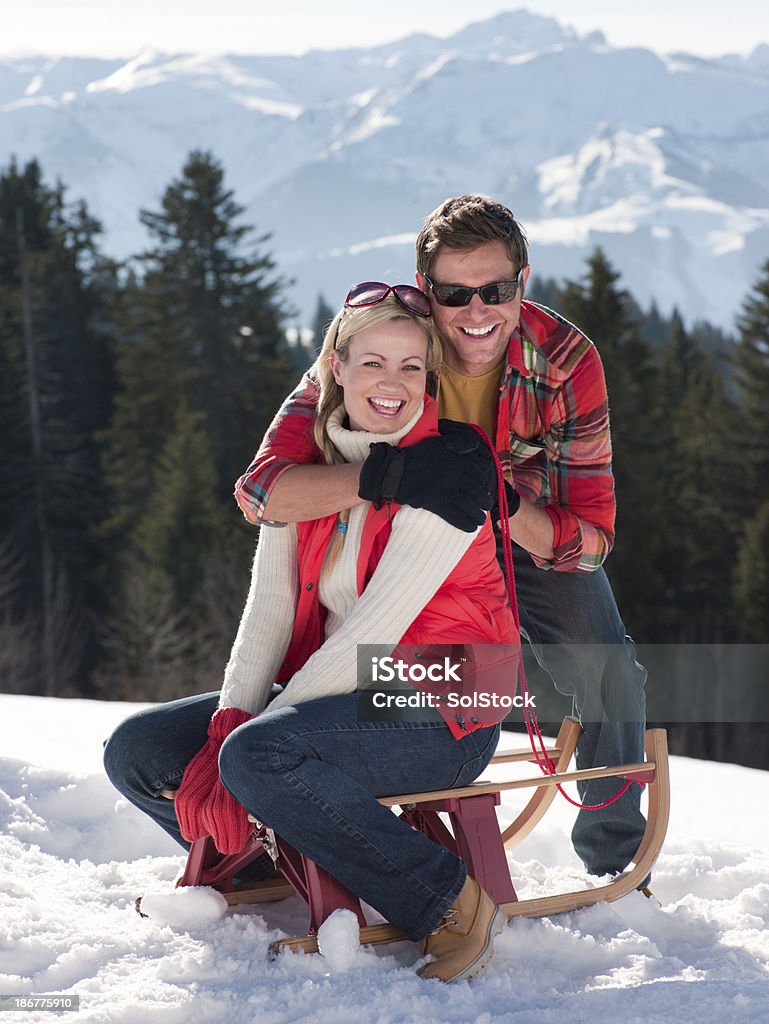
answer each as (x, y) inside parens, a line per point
(479, 332)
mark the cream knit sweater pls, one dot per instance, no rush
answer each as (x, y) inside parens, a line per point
(420, 554)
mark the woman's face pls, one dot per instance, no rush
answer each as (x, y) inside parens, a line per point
(384, 375)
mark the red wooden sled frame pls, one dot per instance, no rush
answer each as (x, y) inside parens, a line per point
(475, 836)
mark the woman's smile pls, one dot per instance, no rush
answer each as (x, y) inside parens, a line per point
(386, 406)
(384, 375)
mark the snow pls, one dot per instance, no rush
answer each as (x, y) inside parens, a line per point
(185, 908)
(74, 856)
(339, 941)
(588, 143)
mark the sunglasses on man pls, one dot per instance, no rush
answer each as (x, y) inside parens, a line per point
(460, 295)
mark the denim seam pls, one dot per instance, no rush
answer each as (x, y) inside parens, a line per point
(371, 727)
(362, 840)
(279, 741)
(277, 764)
(441, 908)
(174, 776)
(484, 756)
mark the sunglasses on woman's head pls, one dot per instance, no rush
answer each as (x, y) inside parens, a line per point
(371, 293)
(461, 295)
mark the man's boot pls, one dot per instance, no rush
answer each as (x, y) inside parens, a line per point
(463, 943)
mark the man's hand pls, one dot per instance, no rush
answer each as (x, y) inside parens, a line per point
(513, 503)
(451, 475)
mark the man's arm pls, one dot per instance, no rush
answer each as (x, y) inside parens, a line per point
(449, 475)
(532, 528)
(311, 492)
(284, 482)
(573, 487)
(582, 504)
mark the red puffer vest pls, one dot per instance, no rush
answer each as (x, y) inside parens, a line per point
(470, 607)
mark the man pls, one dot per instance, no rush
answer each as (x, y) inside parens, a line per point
(535, 384)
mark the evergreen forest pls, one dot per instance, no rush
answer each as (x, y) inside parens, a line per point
(132, 396)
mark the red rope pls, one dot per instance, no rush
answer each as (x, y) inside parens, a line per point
(541, 756)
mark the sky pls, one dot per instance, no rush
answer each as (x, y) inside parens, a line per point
(118, 28)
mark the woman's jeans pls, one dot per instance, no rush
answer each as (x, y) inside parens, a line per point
(575, 631)
(312, 772)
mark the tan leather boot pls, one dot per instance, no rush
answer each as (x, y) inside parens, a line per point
(462, 944)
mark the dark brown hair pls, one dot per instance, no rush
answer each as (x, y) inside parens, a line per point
(465, 222)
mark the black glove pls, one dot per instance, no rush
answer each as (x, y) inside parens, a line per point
(451, 475)
(513, 503)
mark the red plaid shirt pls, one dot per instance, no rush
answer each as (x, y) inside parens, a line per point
(552, 438)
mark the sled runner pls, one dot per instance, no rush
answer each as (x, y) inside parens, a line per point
(475, 835)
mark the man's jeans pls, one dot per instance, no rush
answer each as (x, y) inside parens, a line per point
(312, 773)
(574, 628)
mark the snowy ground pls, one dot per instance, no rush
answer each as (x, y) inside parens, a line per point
(73, 857)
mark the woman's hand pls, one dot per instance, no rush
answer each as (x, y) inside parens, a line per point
(203, 806)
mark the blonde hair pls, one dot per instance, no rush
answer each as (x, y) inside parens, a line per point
(345, 325)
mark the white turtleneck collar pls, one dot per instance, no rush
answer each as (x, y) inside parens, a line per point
(354, 444)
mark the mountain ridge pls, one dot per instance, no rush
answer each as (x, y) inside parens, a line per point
(660, 159)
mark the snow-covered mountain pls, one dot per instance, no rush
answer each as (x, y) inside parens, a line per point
(662, 160)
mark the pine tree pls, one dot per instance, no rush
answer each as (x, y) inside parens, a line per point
(174, 533)
(655, 328)
(203, 325)
(55, 369)
(750, 365)
(702, 502)
(750, 362)
(607, 314)
(544, 290)
(202, 365)
(751, 585)
(688, 554)
(680, 360)
(602, 310)
(324, 314)
(162, 630)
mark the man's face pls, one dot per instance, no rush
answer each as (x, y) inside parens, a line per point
(474, 336)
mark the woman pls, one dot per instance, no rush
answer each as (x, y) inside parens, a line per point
(303, 763)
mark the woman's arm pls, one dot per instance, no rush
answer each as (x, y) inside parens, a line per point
(266, 624)
(421, 552)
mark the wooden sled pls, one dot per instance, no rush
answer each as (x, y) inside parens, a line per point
(475, 836)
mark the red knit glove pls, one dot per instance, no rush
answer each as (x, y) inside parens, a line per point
(225, 820)
(201, 781)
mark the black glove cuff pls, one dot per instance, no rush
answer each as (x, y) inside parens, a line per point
(513, 499)
(381, 474)
(393, 474)
(513, 502)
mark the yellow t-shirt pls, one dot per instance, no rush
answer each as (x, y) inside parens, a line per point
(471, 399)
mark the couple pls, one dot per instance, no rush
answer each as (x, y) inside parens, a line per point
(389, 540)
